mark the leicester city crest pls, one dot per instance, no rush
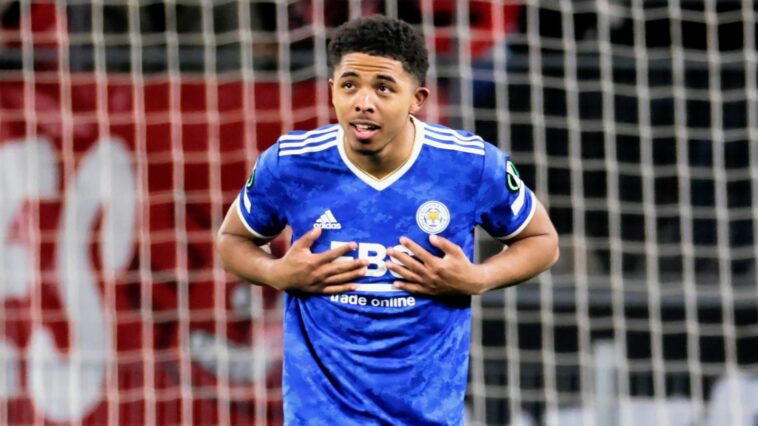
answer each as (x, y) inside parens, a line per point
(433, 217)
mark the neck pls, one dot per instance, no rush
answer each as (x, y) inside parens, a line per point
(382, 163)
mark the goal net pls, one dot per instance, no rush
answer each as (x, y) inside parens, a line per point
(127, 128)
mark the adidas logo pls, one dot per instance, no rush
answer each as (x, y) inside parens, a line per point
(327, 221)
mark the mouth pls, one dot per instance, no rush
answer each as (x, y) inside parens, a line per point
(364, 129)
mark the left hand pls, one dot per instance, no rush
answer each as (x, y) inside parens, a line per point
(451, 274)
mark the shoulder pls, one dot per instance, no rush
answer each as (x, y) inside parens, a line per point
(299, 142)
(293, 147)
(444, 138)
(464, 149)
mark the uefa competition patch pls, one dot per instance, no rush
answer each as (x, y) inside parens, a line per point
(512, 177)
(251, 180)
(433, 217)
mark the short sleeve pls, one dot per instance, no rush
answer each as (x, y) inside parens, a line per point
(259, 205)
(505, 203)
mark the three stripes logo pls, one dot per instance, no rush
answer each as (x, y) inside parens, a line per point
(327, 221)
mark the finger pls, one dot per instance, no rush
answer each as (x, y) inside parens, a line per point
(417, 250)
(340, 267)
(307, 240)
(447, 246)
(409, 262)
(339, 288)
(333, 254)
(345, 277)
(404, 272)
(412, 287)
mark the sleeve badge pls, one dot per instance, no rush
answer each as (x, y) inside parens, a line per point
(512, 177)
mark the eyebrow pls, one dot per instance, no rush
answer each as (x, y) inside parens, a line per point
(348, 74)
(386, 77)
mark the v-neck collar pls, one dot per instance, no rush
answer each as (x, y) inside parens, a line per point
(385, 182)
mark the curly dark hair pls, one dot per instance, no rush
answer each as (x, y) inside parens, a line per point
(381, 36)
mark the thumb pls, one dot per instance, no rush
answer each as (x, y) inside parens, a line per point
(307, 240)
(447, 246)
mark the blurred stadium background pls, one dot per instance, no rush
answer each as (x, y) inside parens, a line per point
(127, 128)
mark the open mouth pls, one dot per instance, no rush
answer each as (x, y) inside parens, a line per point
(364, 130)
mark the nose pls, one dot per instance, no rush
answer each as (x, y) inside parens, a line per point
(364, 102)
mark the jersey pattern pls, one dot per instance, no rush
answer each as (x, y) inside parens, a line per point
(379, 356)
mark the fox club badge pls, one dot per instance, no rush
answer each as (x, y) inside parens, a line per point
(433, 217)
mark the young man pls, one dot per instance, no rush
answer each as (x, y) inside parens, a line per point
(383, 208)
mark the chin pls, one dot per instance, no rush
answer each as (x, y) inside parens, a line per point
(365, 150)
(364, 147)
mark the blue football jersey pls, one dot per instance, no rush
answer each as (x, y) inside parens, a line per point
(380, 356)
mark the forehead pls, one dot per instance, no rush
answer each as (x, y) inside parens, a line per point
(369, 66)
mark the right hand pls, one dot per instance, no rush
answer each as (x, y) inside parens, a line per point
(301, 269)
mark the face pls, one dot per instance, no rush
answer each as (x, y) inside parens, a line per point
(373, 97)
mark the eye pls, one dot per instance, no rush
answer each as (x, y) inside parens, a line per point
(347, 85)
(384, 88)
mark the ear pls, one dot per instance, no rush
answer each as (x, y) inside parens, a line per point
(419, 99)
(331, 90)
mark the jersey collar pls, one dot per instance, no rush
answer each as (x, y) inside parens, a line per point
(385, 182)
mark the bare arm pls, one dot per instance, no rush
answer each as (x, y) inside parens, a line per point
(242, 255)
(241, 252)
(532, 251)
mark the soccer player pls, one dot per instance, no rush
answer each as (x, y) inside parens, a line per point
(382, 208)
